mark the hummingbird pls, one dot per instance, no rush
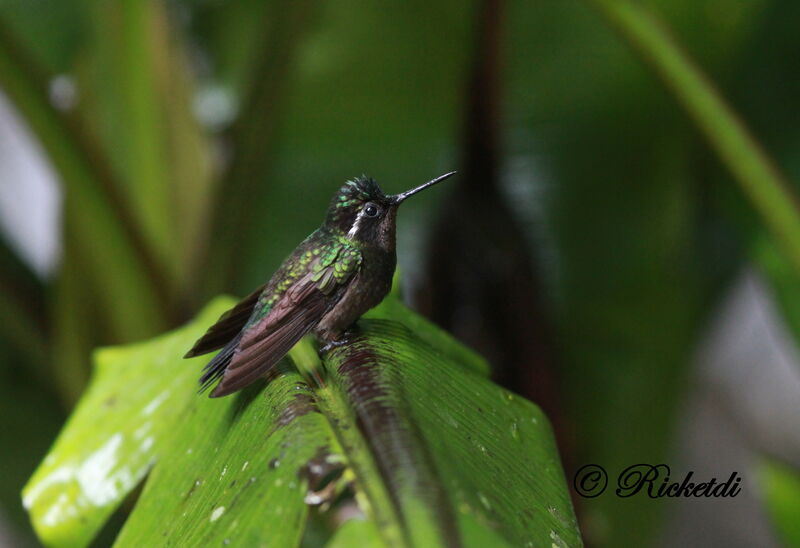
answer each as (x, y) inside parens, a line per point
(340, 271)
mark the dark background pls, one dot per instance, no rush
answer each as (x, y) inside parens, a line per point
(593, 248)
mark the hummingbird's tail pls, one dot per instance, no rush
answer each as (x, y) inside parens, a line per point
(214, 369)
(227, 326)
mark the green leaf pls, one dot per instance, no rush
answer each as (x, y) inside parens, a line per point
(615, 175)
(401, 424)
(122, 268)
(356, 532)
(461, 457)
(780, 485)
(142, 90)
(137, 394)
(234, 471)
(766, 188)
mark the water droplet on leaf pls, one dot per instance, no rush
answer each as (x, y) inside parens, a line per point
(217, 513)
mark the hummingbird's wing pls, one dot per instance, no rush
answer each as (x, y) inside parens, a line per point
(267, 339)
(227, 327)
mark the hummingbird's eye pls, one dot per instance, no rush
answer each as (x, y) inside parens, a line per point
(371, 210)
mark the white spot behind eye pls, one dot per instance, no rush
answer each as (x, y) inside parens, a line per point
(354, 229)
(361, 214)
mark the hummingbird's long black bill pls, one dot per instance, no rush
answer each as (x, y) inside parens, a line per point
(403, 195)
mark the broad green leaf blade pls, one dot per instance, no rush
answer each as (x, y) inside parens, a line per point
(780, 486)
(431, 453)
(234, 473)
(463, 461)
(137, 396)
(356, 532)
(431, 334)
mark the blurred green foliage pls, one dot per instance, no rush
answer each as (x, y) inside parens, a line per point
(634, 225)
(781, 491)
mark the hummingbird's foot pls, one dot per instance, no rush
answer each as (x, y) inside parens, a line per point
(334, 344)
(345, 338)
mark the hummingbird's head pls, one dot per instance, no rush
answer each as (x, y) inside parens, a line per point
(364, 213)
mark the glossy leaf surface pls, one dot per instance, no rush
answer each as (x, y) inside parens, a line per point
(421, 446)
(137, 396)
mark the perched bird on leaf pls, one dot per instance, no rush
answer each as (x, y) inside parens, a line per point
(340, 271)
